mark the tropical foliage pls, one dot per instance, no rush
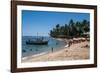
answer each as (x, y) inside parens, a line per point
(70, 30)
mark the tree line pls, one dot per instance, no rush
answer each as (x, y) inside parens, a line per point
(70, 30)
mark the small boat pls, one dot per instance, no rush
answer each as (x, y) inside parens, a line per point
(37, 42)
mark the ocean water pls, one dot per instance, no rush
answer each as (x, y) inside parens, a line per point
(28, 50)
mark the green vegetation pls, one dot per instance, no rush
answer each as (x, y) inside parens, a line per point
(70, 30)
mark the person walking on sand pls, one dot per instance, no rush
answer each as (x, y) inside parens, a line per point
(52, 49)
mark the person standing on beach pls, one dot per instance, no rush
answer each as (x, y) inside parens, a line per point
(52, 49)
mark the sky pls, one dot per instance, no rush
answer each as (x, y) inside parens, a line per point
(42, 22)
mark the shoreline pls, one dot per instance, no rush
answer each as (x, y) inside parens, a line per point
(46, 52)
(74, 52)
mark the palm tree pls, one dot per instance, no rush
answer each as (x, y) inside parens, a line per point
(71, 30)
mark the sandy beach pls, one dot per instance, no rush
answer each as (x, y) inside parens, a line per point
(77, 51)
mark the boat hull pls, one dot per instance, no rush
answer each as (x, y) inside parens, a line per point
(37, 43)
